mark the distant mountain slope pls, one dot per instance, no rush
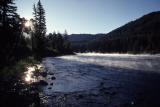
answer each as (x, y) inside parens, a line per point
(84, 37)
(141, 35)
(149, 23)
(81, 40)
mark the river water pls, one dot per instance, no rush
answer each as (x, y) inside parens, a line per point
(102, 80)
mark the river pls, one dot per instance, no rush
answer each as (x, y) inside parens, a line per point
(102, 80)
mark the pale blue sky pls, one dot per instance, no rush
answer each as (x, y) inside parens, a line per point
(88, 16)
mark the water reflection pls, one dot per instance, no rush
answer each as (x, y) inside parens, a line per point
(32, 73)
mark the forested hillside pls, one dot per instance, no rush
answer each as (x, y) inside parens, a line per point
(141, 35)
(79, 42)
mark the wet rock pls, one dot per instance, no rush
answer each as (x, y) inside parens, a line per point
(42, 82)
(80, 96)
(102, 89)
(43, 74)
(53, 78)
(126, 105)
(51, 83)
(113, 93)
(50, 73)
(102, 83)
(50, 88)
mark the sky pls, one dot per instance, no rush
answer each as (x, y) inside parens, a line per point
(88, 16)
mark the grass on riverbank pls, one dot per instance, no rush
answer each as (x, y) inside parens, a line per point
(14, 92)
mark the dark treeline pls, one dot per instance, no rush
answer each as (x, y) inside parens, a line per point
(18, 51)
(139, 36)
(15, 46)
(79, 42)
(46, 45)
(12, 43)
(58, 44)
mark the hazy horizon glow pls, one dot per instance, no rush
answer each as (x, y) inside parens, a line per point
(88, 16)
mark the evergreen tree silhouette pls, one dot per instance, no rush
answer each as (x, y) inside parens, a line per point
(39, 40)
(8, 13)
(10, 29)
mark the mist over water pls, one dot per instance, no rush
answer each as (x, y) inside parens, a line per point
(145, 62)
(85, 71)
(103, 79)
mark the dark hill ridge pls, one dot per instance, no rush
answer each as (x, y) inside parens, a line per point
(81, 40)
(149, 23)
(83, 37)
(139, 36)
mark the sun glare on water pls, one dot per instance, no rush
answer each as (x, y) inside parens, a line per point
(29, 74)
(28, 78)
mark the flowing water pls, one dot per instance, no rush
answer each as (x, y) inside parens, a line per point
(102, 80)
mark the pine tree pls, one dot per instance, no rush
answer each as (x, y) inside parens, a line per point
(39, 18)
(10, 30)
(9, 17)
(66, 43)
(39, 32)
